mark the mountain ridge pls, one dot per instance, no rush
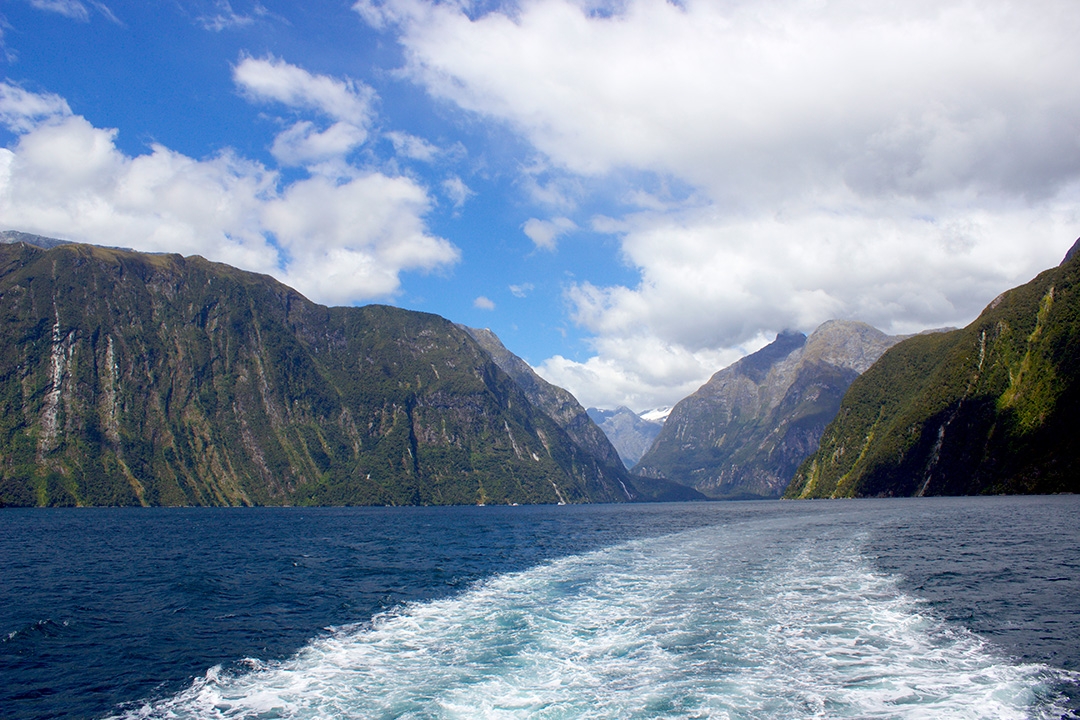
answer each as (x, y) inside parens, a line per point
(565, 410)
(989, 408)
(130, 378)
(631, 434)
(745, 431)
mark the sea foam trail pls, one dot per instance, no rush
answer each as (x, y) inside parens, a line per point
(721, 622)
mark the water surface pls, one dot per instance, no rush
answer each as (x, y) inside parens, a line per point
(952, 607)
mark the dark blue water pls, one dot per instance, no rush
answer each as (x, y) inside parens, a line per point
(109, 611)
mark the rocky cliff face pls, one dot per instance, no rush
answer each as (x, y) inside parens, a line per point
(153, 379)
(744, 433)
(557, 403)
(564, 409)
(631, 435)
(991, 408)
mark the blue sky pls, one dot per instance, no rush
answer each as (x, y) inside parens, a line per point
(631, 194)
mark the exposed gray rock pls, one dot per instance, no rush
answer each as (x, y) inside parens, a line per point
(631, 435)
(745, 431)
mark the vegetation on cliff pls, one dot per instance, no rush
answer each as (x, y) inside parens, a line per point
(129, 379)
(563, 408)
(991, 408)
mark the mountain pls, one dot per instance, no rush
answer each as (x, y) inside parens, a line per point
(129, 379)
(744, 432)
(8, 237)
(991, 408)
(628, 432)
(562, 407)
(557, 403)
(656, 415)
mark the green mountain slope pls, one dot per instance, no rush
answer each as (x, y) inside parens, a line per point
(991, 408)
(564, 409)
(745, 431)
(128, 378)
(557, 403)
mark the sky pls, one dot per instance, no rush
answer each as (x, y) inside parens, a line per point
(632, 194)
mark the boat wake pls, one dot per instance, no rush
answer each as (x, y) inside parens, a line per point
(719, 622)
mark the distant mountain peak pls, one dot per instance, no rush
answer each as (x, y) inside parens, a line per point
(745, 431)
(9, 237)
(657, 415)
(630, 433)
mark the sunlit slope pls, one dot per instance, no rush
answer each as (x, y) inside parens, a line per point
(564, 409)
(128, 378)
(991, 408)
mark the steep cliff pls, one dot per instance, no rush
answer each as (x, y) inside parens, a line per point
(744, 432)
(128, 378)
(563, 408)
(991, 408)
(559, 404)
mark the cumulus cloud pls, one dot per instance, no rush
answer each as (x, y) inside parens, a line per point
(483, 303)
(640, 371)
(762, 98)
(303, 143)
(338, 241)
(21, 111)
(347, 103)
(545, 233)
(895, 163)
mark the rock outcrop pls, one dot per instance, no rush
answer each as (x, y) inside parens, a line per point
(744, 432)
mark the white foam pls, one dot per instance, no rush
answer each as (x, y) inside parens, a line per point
(713, 623)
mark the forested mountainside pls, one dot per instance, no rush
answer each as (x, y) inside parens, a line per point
(559, 404)
(991, 408)
(562, 407)
(128, 378)
(744, 432)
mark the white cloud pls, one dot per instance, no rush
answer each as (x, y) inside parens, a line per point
(456, 189)
(763, 98)
(304, 144)
(900, 163)
(346, 102)
(640, 372)
(21, 111)
(225, 18)
(411, 146)
(68, 8)
(336, 241)
(522, 290)
(353, 239)
(545, 233)
(482, 303)
(74, 9)
(271, 79)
